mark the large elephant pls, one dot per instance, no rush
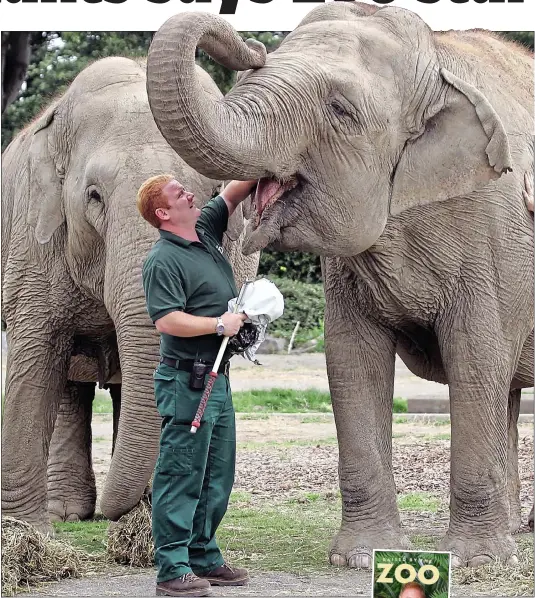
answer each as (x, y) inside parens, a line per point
(387, 149)
(73, 244)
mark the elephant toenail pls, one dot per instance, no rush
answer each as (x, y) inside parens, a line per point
(360, 561)
(338, 560)
(480, 560)
(73, 517)
(513, 560)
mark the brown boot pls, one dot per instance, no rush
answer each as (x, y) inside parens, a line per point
(186, 585)
(227, 576)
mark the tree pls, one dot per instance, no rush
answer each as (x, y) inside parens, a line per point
(522, 37)
(15, 59)
(57, 57)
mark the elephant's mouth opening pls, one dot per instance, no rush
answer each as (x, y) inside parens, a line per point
(267, 192)
(269, 199)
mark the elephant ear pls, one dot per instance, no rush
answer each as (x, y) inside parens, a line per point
(462, 147)
(45, 213)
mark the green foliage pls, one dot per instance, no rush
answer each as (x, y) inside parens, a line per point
(304, 303)
(400, 405)
(56, 59)
(522, 37)
(225, 78)
(58, 56)
(304, 267)
(417, 560)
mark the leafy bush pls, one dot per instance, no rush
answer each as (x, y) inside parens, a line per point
(304, 267)
(304, 303)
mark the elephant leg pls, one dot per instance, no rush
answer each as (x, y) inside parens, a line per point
(478, 361)
(360, 367)
(513, 476)
(115, 393)
(530, 519)
(72, 492)
(36, 375)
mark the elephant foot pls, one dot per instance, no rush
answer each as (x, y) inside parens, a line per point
(530, 519)
(354, 548)
(42, 524)
(515, 520)
(64, 510)
(475, 552)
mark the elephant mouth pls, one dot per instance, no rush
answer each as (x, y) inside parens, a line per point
(267, 192)
(269, 201)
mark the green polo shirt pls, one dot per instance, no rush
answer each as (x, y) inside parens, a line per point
(194, 277)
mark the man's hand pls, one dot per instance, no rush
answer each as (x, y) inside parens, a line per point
(527, 193)
(235, 192)
(232, 322)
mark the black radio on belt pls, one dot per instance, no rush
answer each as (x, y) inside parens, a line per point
(198, 372)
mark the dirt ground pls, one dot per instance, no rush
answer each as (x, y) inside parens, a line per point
(275, 467)
(285, 456)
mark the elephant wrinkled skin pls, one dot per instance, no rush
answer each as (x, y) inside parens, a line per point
(398, 155)
(73, 244)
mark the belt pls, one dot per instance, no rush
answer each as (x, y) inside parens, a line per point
(186, 365)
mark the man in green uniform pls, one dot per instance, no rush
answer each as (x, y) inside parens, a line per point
(188, 283)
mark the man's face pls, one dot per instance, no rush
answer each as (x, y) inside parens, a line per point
(412, 593)
(181, 210)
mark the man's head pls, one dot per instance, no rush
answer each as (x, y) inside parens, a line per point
(412, 590)
(164, 202)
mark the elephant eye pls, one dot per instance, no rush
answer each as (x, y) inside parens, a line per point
(338, 109)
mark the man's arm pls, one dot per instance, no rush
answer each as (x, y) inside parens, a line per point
(235, 192)
(179, 323)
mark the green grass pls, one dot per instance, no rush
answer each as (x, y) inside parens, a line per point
(442, 436)
(240, 497)
(424, 542)
(254, 416)
(294, 538)
(253, 445)
(102, 403)
(418, 501)
(313, 419)
(87, 535)
(275, 400)
(285, 400)
(282, 400)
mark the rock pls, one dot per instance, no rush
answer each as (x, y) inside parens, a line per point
(272, 344)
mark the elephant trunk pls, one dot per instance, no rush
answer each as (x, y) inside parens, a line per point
(136, 447)
(219, 137)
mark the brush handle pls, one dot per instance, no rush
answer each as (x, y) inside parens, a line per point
(196, 423)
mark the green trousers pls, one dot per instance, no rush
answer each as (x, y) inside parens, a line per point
(194, 474)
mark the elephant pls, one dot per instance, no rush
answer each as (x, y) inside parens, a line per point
(397, 154)
(73, 245)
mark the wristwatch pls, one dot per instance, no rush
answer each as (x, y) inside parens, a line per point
(220, 327)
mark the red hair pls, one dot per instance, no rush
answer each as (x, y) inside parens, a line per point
(149, 197)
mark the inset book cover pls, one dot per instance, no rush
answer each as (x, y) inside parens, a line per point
(411, 574)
